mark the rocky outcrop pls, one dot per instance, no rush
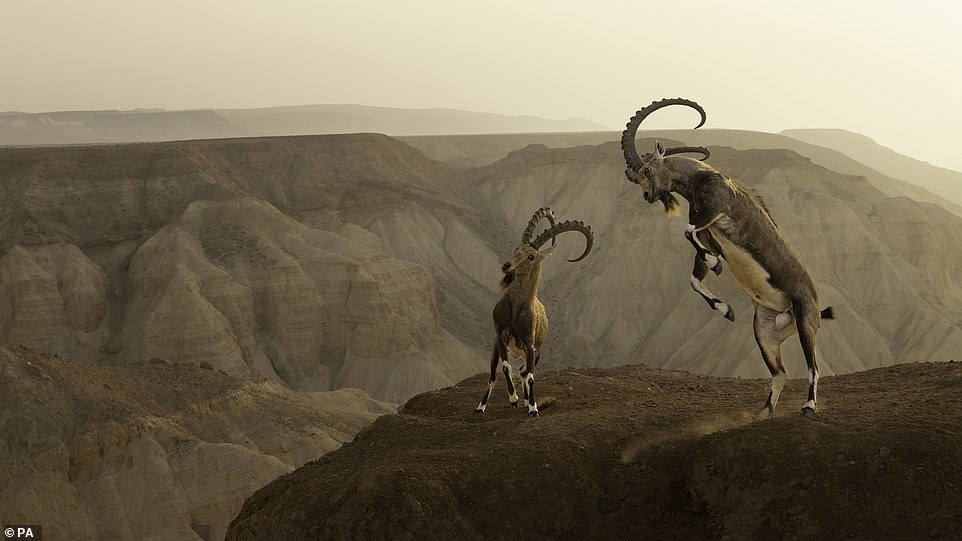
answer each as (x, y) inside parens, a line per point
(54, 298)
(638, 453)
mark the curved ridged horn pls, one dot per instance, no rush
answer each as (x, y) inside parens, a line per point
(543, 212)
(568, 225)
(680, 150)
(632, 158)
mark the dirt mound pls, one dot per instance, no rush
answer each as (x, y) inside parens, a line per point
(636, 452)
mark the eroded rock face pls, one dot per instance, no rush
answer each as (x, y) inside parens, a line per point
(153, 448)
(249, 290)
(52, 298)
(193, 261)
(354, 260)
(881, 262)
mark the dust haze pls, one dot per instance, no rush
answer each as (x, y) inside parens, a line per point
(875, 68)
(185, 322)
(248, 256)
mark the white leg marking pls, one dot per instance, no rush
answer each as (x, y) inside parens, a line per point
(711, 260)
(697, 285)
(723, 308)
(532, 406)
(506, 367)
(813, 382)
(487, 396)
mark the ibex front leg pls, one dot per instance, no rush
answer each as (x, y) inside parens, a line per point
(495, 360)
(700, 219)
(698, 274)
(499, 356)
(710, 257)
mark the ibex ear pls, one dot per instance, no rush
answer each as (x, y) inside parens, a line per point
(660, 149)
(545, 252)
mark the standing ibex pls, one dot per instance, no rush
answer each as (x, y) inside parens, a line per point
(730, 221)
(520, 321)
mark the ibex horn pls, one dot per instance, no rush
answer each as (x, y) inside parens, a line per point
(634, 161)
(568, 225)
(543, 212)
(680, 150)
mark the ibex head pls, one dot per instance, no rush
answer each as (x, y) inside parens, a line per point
(649, 171)
(529, 253)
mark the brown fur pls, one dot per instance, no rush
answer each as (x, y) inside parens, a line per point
(722, 212)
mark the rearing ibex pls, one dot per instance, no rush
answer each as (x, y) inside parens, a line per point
(520, 321)
(730, 221)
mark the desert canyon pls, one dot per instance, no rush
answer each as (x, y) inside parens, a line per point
(183, 322)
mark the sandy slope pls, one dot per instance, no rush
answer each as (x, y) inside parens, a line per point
(639, 453)
(945, 182)
(153, 448)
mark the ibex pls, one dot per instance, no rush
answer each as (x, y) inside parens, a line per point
(728, 221)
(520, 320)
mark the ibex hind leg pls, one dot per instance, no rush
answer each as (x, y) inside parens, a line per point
(769, 335)
(495, 361)
(807, 321)
(531, 358)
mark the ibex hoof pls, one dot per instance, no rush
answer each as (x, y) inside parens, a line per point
(479, 411)
(730, 315)
(514, 404)
(807, 411)
(717, 269)
(533, 413)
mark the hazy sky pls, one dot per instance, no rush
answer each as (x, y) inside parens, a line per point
(890, 70)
